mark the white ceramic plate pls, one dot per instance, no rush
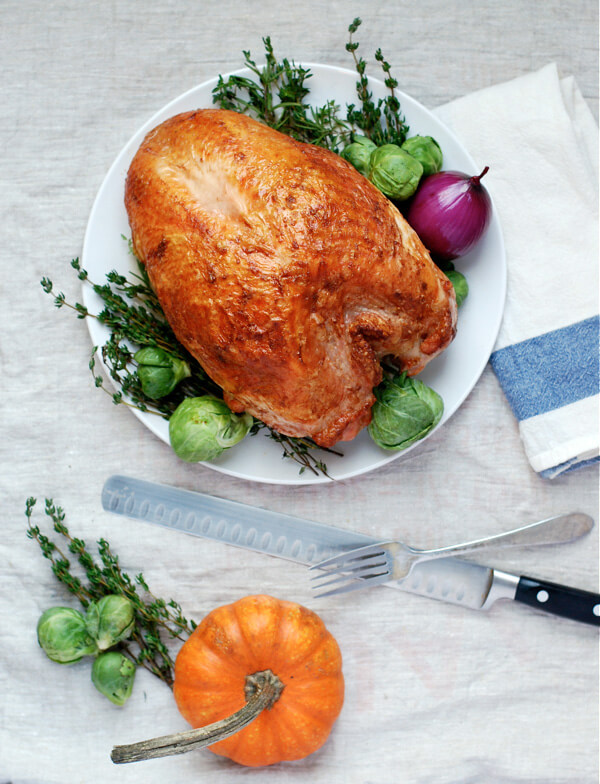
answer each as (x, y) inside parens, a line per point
(453, 374)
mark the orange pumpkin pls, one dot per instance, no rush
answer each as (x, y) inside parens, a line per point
(215, 669)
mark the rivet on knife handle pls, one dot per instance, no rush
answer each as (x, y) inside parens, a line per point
(562, 600)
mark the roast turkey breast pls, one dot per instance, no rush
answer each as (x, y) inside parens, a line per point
(283, 271)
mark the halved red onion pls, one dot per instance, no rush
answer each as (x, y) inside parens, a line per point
(450, 212)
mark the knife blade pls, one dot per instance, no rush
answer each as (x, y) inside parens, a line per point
(306, 542)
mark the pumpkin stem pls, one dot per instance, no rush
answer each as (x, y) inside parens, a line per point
(256, 683)
(262, 691)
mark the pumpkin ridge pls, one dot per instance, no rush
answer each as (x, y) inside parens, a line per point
(291, 712)
(212, 660)
(297, 666)
(202, 702)
(282, 652)
(238, 608)
(309, 729)
(203, 668)
(242, 747)
(300, 691)
(236, 653)
(314, 719)
(268, 735)
(278, 748)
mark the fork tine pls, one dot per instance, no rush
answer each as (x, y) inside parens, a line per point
(350, 555)
(355, 585)
(369, 563)
(358, 573)
(341, 578)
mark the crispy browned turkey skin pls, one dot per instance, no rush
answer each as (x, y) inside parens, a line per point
(282, 270)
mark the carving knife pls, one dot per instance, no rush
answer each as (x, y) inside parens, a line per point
(450, 579)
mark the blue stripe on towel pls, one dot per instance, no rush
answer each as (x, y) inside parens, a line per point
(570, 465)
(551, 370)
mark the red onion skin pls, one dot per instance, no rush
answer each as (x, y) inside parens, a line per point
(450, 212)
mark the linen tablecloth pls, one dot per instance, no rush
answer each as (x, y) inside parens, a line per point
(434, 693)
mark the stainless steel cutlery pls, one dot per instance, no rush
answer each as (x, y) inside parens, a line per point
(448, 579)
(379, 563)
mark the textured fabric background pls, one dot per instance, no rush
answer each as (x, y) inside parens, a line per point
(434, 693)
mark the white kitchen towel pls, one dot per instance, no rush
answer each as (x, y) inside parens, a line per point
(540, 140)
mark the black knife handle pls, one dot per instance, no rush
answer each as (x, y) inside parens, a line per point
(561, 600)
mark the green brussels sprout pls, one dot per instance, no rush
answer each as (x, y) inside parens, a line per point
(113, 675)
(359, 153)
(461, 287)
(427, 151)
(201, 428)
(110, 620)
(394, 172)
(159, 372)
(63, 635)
(405, 410)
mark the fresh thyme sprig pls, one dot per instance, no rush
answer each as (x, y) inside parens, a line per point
(156, 620)
(300, 450)
(277, 97)
(134, 318)
(382, 122)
